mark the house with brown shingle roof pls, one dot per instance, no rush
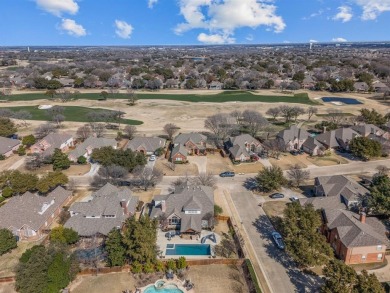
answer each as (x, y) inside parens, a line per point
(194, 142)
(106, 209)
(292, 138)
(86, 148)
(242, 146)
(8, 146)
(188, 209)
(339, 138)
(340, 186)
(29, 216)
(146, 145)
(52, 141)
(355, 238)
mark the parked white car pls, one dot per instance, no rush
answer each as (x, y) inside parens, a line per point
(152, 158)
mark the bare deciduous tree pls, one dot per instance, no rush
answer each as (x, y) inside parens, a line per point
(297, 175)
(84, 132)
(170, 129)
(220, 125)
(335, 116)
(311, 111)
(274, 112)
(22, 116)
(64, 95)
(6, 113)
(131, 97)
(286, 112)
(236, 115)
(204, 179)
(297, 111)
(130, 131)
(147, 177)
(254, 122)
(44, 129)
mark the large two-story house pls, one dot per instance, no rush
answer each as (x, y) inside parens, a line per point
(106, 209)
(242, 146)
(355, 237)
(188, 209)
(292, 138)
(30, 215)
(188, 144)
(52, 141)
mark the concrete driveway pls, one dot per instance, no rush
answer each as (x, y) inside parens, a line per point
(200, 162)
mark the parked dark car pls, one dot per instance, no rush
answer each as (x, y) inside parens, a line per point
(278, 240)
(294, 152)
(277, 195)
(227, 174)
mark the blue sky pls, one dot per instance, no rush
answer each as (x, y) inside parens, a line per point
(182, 22)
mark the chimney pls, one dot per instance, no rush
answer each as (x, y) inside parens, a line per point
(124, 207)
(362, 217)
(324, 129)
(163, 206)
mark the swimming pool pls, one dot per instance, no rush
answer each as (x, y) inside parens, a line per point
(188, 249)
(347, 101)
(164, 288)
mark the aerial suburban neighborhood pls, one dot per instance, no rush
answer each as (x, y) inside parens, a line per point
(195, 169)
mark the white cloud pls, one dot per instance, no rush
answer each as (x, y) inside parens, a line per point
(151, 3)
(123, 29)
(373, 8)
(57, 7)
(72, 28)
(215, 39)
(339, 40)
(344, 14)
(249, 38)
(313, 41)
(222, 17)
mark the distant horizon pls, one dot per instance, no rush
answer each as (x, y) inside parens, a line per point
(191, 22)
(200, 45)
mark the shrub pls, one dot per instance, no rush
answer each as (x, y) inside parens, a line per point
(82, 160)
(7, 192)
(21, 151)
(136, 267)
(171, 265)
(181, 263)
(159, 266)
(149, 268)
(2, 157)
(253, 275)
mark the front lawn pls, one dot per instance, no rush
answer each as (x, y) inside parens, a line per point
(71, 113)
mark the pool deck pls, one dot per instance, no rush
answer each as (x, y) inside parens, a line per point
(162, 242)
(176, 281)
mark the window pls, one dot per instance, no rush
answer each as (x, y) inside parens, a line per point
(380, 255)
(379, 247)
(174, 221)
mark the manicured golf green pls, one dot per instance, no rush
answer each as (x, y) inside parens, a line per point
(227, 96)
(71, 113)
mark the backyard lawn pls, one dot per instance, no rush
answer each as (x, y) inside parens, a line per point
(227, 96)
(71, 113)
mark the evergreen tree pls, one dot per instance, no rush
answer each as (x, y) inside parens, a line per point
(368, 283)
(303, 241)
(270, 179)
(379, 200)
(116, 252)
(7, 241)
(365, 148)
(58, 273)
(140, 239)
(339, 278)
(60, 160)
